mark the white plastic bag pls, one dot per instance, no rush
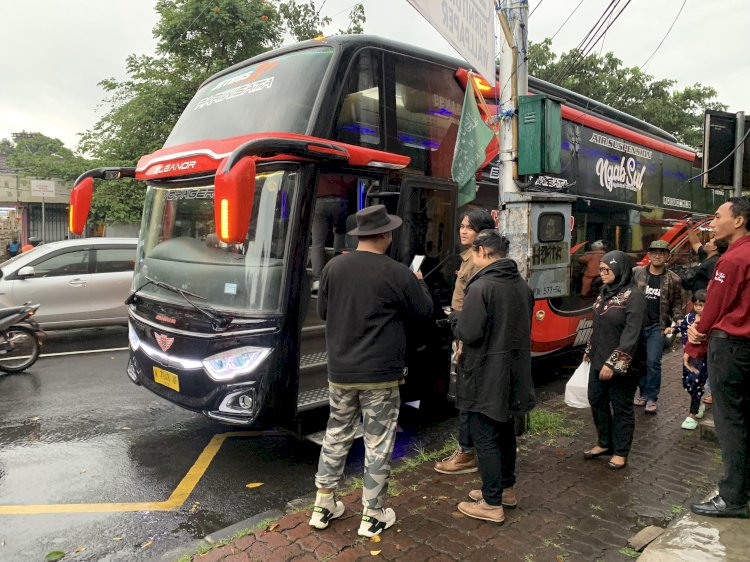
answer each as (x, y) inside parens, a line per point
(577, 389)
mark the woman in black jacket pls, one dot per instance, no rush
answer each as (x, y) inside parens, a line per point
(494, 371)
(618, 315)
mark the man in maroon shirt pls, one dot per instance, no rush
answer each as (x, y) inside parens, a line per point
(725, 322)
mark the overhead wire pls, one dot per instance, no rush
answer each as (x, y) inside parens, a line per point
(566, 19)
(591, 38)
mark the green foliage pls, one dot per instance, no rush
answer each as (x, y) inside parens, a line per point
(552, 424)
(195, 39)
(629, 89)
(40, 156)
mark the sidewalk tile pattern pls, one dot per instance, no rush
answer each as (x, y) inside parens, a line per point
(569, 508)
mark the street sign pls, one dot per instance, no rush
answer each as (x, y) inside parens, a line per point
(468, 25)
(719, 128)
(43, 188)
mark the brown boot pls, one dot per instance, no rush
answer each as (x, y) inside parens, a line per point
(509, 497)
(480, 510)
(458, 463)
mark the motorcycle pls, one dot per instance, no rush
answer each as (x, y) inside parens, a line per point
(20, 338)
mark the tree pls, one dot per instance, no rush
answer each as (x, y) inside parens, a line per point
(43, 157)
(629, 89)
(195, 39)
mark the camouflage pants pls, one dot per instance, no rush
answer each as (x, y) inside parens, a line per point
(379, 410)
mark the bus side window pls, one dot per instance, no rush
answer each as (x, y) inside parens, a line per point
(359, 119)
(428, 107)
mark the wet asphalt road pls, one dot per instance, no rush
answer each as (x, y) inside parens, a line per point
(75, 431)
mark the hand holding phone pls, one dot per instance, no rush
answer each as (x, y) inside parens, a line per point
(416, 263)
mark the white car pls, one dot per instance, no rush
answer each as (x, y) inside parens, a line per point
(78, 283)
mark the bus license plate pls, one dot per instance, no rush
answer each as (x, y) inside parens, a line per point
(170, 380)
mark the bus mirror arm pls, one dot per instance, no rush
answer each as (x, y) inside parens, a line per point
(83, 192)
(234, 184)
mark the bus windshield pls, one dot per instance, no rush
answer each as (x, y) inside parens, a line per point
(179, 246)
(273, 95)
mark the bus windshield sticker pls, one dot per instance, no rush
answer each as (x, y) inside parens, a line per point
(230, 288)
(240, 90)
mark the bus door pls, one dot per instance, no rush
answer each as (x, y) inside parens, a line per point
(428, 209)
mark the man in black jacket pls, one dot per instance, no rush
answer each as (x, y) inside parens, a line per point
(494, 377)
(697, 278)
(367, 299)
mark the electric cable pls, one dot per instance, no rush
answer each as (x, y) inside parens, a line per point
(535, 8)
(566, 20)
(665, 36)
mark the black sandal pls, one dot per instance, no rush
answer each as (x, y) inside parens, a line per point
(615, 466)
(590, 454)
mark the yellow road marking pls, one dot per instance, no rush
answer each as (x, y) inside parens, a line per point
(175, 500)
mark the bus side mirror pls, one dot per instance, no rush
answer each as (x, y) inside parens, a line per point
(234, 191)
(80, 205)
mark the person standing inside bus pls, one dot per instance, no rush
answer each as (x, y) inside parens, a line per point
(494, 372)
(367, 300)
(591, 260)
(329, 215)
(724, 323)
(664, 307)
(464, 459)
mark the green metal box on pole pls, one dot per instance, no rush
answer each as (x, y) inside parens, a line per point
(539, 135)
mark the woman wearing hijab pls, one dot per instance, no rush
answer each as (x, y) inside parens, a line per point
(618, 315)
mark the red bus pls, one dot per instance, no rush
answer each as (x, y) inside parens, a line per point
(222, 320)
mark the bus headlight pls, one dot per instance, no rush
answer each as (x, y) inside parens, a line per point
(241, 361)
(133, 338)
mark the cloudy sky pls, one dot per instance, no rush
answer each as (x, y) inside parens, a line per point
(54, 52)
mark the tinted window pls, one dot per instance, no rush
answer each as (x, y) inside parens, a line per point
(359, 119)
(273, 95)
(69, 263)
(112, 260)
(428, 107)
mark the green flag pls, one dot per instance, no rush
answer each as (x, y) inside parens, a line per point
(473, 137)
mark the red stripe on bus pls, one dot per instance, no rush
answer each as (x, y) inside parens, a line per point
(624, 133)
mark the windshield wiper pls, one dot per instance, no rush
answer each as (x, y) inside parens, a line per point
(219, 322)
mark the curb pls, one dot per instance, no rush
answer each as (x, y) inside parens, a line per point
(220, 535)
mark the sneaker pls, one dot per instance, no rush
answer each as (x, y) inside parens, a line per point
(324, 511)
(689, 423)
(480, 510)
(509, 497)
(371, 526)
(701, 411)
(315, 287)
(458, 463)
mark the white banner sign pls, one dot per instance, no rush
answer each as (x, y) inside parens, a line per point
(468, 25)
(42, 188)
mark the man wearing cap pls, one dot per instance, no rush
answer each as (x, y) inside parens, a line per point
(367, 300)
(663, 307)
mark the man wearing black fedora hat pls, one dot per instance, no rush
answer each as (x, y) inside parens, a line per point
(367, 299)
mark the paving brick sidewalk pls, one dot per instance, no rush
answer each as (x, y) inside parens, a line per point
(569, 508)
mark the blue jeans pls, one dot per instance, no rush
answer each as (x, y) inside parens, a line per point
(650, 383)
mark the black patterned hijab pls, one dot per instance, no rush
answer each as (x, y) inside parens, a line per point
(619, 263)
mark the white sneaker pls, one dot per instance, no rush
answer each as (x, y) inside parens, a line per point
(701, 411)
(322, 514)
(315, 286)
(371, 526)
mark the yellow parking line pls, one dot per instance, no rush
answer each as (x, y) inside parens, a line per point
(175, 500)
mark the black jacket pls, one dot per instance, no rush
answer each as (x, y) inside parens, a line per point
(495, 328)
(369, 302)
(697, 278)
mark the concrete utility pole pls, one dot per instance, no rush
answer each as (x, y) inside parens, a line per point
(509, 86)
(739, 155)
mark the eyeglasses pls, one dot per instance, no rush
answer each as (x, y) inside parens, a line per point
(604, 270)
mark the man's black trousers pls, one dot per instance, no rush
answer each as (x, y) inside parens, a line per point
(495, 443)
(729, 373)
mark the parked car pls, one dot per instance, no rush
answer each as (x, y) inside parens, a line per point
(79, 283)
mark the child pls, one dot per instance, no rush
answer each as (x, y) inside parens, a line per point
(694, 370)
